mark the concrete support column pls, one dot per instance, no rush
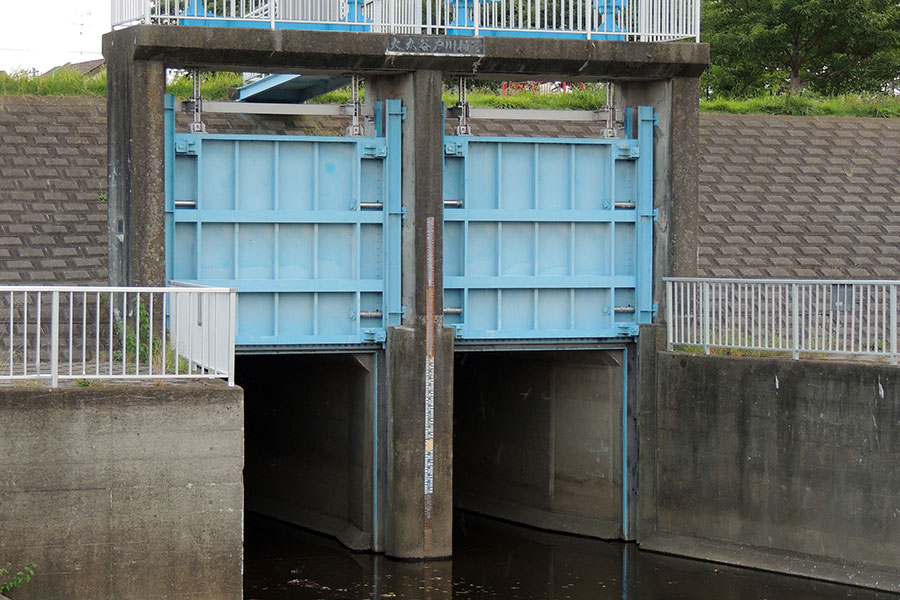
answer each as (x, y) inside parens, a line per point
(675, 243)
(136, 167)
(419, 512)
(676, 168)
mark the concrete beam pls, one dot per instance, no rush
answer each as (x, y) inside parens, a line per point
(292, 51)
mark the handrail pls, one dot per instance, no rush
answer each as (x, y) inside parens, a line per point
(624, 20)
(103, 332)
(813, 316)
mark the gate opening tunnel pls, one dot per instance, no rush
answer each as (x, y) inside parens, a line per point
(538, 440)
(308, 441)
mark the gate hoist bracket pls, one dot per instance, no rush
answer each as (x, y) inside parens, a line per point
(628, 152)
(454, 149)
(374, 151)
(185, 146)
(374, 335)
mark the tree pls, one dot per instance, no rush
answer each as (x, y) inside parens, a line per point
(827, 45)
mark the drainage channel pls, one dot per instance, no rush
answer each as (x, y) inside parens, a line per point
(500, 561)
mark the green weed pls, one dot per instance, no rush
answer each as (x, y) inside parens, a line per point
(10, 581)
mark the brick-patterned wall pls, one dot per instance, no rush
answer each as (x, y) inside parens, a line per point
(52, 174)
(779, 196)
(807, 197)
(266, 124)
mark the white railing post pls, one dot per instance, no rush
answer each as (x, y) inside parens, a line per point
(232, 326)
(893, 323)
(147, 14)
(704, 299)
(795, 322)
(54, 340)
(272, 14)
(670, 343)
(590, 17)
(697, 21)
(477, 17)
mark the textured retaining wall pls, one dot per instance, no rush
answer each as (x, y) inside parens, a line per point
(805, 197)
(784, 465)
(52, 183)
(123, 492)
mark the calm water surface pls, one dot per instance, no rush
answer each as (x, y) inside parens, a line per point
(501, 561)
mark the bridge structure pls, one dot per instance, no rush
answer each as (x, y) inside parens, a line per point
(423, 319)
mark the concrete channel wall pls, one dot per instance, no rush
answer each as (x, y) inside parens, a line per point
(121, 491)
(790, 466)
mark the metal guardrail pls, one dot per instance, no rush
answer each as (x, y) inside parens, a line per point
(625, 20)
(85, 333)
(809, 316)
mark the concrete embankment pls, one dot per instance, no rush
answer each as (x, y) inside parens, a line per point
(122, 491)
(790, 466)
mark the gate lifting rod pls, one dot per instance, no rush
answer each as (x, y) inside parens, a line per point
(197, 125)
(610, 131)
(355, 129)
(463, 127)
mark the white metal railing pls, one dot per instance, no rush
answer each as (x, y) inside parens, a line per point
(809, 316)
(628, 20)
(80, 333)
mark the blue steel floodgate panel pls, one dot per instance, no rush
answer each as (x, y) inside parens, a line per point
(305, 228)
(548, 238)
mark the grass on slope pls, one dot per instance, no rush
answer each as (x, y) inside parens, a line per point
(60, 83)
(64, 82)
(848, 105)
(215, 86)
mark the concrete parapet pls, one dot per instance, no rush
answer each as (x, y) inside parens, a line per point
(784, 465)
(120, 491)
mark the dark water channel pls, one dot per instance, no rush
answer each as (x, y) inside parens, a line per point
(501, 561)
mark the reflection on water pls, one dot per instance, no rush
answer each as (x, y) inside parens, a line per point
(503, 562)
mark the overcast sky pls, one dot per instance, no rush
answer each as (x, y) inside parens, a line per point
(41, 34)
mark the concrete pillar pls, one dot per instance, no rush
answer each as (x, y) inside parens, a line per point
(676, 168)
(675, 245)
(136, 204)
(418, 517)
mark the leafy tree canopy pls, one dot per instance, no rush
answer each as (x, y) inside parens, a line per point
(826, 46)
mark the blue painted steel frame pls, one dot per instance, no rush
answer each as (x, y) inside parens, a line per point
(185, 255)
(625, 285)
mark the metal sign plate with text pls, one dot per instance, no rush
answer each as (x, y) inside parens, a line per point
(429, 44)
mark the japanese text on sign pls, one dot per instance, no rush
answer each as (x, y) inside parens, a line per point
(425, 44)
